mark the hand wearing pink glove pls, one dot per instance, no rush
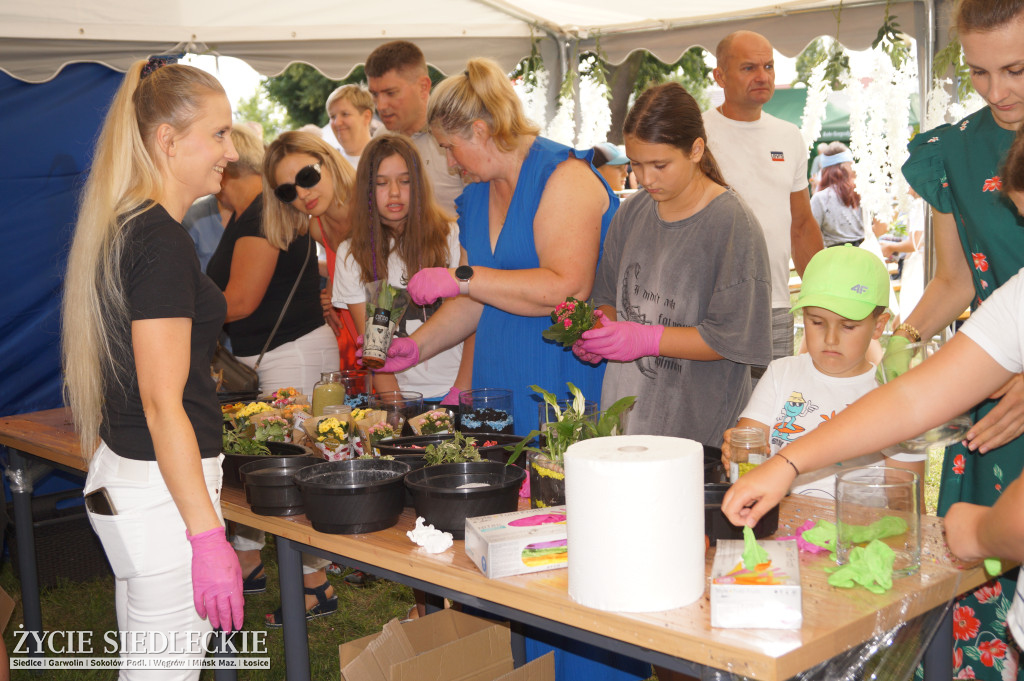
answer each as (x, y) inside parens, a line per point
(452, 398)
(402, 354)
(216, 580)
(620, 341)
(432, 283)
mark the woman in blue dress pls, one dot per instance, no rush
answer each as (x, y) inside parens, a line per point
(531, 223)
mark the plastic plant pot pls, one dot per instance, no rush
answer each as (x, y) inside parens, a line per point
(269, 486)
(404, 446)
(233, 462)
(717, 526)
(447, 494)
(355, 496)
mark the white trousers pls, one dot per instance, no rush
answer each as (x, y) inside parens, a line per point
(152, 562)
(299, 363)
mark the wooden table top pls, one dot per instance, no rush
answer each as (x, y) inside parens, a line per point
(834, 619)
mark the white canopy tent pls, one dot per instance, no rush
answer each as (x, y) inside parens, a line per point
(40, 38)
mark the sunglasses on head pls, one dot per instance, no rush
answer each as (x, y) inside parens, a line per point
(305, 178)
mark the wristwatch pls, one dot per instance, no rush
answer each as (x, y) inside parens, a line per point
(463, 274)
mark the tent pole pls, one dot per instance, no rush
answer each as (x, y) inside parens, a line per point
(925, 58)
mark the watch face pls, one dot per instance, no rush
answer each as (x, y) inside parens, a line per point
(464, 273)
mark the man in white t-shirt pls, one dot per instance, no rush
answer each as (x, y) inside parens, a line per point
(764, 160)
(396, 73)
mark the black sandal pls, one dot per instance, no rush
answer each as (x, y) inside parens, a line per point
(324, 606)
(253, 584)
(360, 578)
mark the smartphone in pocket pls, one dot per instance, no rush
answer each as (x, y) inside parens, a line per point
(98, 502)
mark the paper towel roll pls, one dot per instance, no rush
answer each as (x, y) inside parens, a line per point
(635, 517)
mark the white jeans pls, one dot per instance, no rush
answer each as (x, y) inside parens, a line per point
(298, 363)
(151, 559)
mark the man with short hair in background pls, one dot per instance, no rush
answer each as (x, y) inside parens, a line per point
(764, 160)
(397, 76)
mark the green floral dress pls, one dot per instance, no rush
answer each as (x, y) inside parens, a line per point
(955, 168)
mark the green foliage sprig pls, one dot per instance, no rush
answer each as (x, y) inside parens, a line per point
(458, 449)
(572, 425)
(232, 443)
(891, 40)
(949, 58)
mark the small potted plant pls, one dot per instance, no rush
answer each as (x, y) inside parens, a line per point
(385, 307)
(332, 439)
(546, 462)
(433, 422)
(569, 320)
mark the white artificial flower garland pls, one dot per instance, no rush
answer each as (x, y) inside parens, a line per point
(595, 113)
(563, 126)
(534, 97)
(818, 92)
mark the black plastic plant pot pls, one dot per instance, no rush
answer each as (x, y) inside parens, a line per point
(354, 496)
(269, 486)
(447, 494)
(233, 462)
(717, 526)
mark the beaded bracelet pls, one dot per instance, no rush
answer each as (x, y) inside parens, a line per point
(913, 334)
(786, 459)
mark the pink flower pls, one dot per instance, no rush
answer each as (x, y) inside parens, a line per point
(991, 590)
(966, 673)
(568, 323)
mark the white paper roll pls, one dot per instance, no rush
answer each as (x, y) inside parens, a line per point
(635, 517)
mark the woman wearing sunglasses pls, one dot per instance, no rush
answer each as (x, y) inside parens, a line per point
(257, 264)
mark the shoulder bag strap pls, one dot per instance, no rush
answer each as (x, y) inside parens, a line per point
(280, 317)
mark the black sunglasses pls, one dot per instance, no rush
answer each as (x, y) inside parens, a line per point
(305, 178)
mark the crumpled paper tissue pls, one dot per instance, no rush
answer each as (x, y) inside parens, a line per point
(434, 541)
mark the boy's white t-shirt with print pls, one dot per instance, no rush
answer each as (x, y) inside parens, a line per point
(793, 398)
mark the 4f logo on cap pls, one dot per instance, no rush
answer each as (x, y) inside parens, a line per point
(859, 288)
(778, 156)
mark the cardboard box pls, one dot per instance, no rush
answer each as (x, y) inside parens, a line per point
(443, 646)
(768, 598)
(541, 669)
(517, 543)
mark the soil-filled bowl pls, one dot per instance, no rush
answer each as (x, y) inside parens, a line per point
(404, 446)
(354, 496)
(717, 526)
(233, 462)
(269, 487)
(447, 494)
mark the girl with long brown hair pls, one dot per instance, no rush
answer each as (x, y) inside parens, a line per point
(399, 229)
(683, 287)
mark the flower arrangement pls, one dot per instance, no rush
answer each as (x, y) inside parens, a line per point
(573, 425)
(458, 449)
(380, 431)
(273, 429)
(283, 396)
(569, 320)
(433, 422)
(331, 430)
(233, 443)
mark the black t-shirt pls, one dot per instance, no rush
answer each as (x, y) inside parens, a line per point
(249, 335)
(162, 279)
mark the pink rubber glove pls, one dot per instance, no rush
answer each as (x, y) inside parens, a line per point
(621, 341)
(402, 354)
(452, 398)
(583, 355)
(216, 580)
(428, 285)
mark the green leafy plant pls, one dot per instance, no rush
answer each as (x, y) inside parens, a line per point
(232, 443)
(458, 449)
(572, 425)
(891, 40)
(569, 320)
(949, 58)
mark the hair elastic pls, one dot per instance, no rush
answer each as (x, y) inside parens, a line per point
(155, 62)
(836, 159)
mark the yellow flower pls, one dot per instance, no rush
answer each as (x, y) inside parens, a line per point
(359, 414)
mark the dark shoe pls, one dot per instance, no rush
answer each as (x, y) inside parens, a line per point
(253, 584)
(324, 606)
(334, 569)
(360, 578)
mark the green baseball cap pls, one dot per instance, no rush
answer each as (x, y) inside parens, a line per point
(847, 280)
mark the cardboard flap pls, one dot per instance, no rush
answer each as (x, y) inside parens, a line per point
(373, 661)
(541, 669)
(480, 656)
(6, 609)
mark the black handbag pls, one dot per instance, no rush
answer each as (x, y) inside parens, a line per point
(233, 376)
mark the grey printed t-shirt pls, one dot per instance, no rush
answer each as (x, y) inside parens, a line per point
(708, 271)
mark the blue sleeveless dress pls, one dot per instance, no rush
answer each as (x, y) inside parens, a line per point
(510, 352)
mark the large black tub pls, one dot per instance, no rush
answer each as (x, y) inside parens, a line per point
(446, 495)
(355, 496)
(269, 487)
(233, 462)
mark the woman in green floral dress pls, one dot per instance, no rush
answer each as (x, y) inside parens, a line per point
(979, 241)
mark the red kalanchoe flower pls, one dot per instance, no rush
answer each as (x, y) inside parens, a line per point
(965, 624)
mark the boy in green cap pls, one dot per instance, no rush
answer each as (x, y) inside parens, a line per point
(843, 296)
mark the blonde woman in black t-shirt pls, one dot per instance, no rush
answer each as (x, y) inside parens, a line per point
(140, 326)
